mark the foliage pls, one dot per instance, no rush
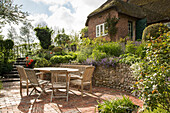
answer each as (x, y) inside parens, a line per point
(25, 32)
(51, 47)
(62, 38)
(5, 67)
(129, 59)
(111, 24)
(156, 110)
(84, 32)
(42, 62)
(57, 49)
(61, 59)
(153, 74)
(105, 62)
(6, 46)
(10, 12)
(97, 55)
(123, 105)
(81, 57)
(130, 47)
(140, 50)
(110, 48)
(154, 30)
(1, 85)
(44, 35)
(12, 34)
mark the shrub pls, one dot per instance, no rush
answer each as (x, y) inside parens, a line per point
(61, 59)
(81, 57)
(44, 36)
(51, 47)
(111, 49)
(57, 49)
(129, 58)
(124, 105)
(140, 50)
(130, 47)
(154, 30)
(153, 75)
(42, 62)
(97, 55)
(6, 68)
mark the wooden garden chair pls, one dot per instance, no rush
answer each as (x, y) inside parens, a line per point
(35, 82)
(23, 79)
(60, 82)
(84, 79)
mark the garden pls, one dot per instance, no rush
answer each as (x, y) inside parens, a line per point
(148, 61)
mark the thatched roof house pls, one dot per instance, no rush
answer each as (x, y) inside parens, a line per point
(156, 10)
(133, 16)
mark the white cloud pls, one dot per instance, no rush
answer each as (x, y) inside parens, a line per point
(63, 17)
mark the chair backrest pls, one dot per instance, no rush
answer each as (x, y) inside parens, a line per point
(32, 76)
(88, 73)
(22, 73)
(80, 67)
(56, 73)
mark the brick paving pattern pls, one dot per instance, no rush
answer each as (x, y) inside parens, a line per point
(11, 102)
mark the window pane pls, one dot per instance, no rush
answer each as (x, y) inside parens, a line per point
(105, 29)
(130, 30)
(97, 31)
(101, 29)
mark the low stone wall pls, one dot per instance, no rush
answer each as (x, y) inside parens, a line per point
(119, 77)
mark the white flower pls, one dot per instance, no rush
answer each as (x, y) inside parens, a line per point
(154, 87)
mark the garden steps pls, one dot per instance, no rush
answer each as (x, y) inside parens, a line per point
(14, 73)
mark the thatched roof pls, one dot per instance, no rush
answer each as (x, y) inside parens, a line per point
(156, 10)
(121, 7)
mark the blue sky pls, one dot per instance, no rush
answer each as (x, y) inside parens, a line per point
(57, 14)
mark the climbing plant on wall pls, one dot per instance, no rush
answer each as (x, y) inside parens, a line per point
(111, 26)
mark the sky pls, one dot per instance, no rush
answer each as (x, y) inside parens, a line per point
(57, 14)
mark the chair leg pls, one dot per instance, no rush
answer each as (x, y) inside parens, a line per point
(52, 93)
(82, 90)
(20, 89)
(27, 89)
(67, 91)
(90, 87)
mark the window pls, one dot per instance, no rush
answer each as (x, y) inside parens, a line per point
(101, 30)
(130, 29)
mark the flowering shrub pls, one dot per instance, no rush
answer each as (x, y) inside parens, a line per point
(30, 62)
(105, 62)
(153, 73)
(129, 58)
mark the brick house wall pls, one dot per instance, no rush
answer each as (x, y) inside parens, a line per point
(122, 25)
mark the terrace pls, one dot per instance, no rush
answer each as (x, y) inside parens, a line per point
(11, 101)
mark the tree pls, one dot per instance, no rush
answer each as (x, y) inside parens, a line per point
(10, 12)
(12, 34)
(84, 32)
(25, 33)
(44, 35)
(62, 38)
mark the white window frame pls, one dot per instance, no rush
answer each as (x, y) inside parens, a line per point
(101, 32)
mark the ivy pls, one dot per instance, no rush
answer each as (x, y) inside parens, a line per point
(111, 25)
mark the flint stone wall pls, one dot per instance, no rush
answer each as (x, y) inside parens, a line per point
(119, 77)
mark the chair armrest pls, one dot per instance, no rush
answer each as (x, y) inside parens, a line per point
(39, 73)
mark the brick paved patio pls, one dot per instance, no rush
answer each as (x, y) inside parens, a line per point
(11, 102)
